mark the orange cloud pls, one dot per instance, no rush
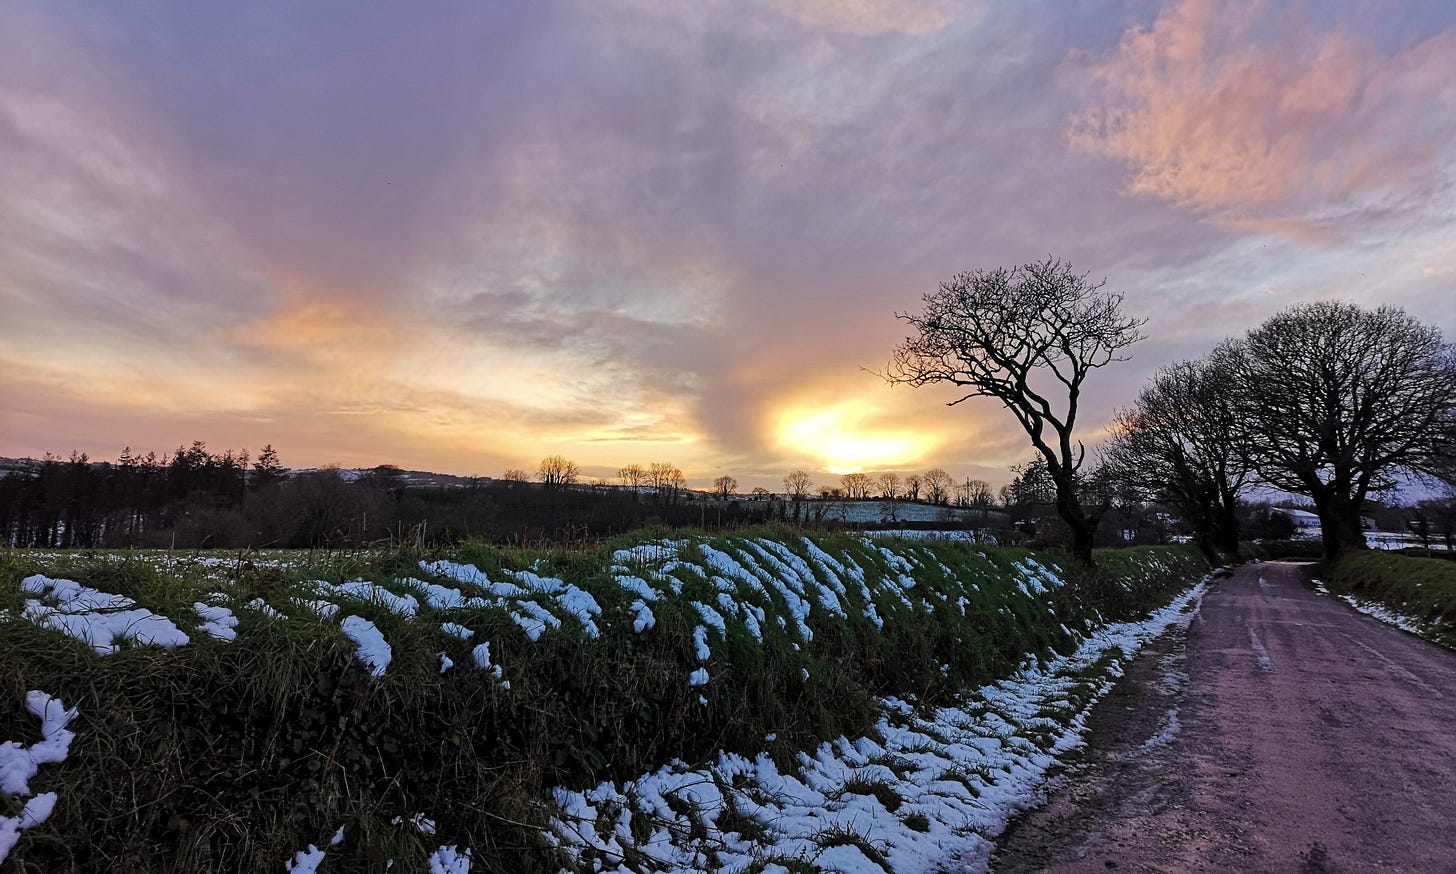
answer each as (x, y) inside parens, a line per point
(317, 323)
(1233, 109)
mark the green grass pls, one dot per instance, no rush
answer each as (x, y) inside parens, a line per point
(1421, 588)
(232, 756)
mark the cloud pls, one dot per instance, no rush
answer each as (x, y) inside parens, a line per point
(1258, 116)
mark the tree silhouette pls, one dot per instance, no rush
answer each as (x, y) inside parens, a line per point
(1339, 401)
(1027, 336)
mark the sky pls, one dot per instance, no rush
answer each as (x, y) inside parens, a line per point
(463, 236)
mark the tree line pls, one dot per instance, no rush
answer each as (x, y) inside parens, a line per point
(1326, 400)
(200, 498)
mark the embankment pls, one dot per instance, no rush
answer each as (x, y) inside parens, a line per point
(233, 714)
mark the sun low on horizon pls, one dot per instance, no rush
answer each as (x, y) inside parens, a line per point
(839, 440)
(464, 238)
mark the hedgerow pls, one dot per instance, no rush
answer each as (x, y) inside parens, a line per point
(1423, 589)
(231, 755)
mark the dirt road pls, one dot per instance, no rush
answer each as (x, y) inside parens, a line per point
(1282, 732)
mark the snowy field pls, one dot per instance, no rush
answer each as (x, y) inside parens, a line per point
(926, 790)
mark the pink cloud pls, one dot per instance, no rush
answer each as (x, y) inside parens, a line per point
(1247, 113)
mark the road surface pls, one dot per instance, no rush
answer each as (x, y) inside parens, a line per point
(1282, 732)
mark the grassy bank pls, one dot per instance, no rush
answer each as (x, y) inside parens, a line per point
(370, 689)
(1421, 589)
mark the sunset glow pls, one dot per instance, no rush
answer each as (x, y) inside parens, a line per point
(839, 440)
(671, 232)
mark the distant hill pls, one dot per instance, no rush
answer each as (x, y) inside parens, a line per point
(350, 474)
(17, 465)
(408, 477)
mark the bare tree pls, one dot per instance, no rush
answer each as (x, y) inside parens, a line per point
(1027, 336)
(937, 485)
(1182, 444)
(761, 494)
(1339, 401)
(798, 484)
(667, 479)
(912, 486)
(889, 483)
(516, 475)
(557, 470)
(724, 487)
(856, 485)
(979, 495)
(632, 476)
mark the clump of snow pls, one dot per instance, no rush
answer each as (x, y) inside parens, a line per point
(261, 606)
(642, 616)
(373, 593)
(457, 630)
(96, 618)
(533, 617)
(481, 655)
(450, 859)
(421, 823)
(219, 622)
(372, 650)
(322, 609)
(19, 764)
(638, 586)
(305, 861)
(698, 677)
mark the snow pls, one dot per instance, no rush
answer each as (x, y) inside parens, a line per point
(305, 861)
(1384, 613)
(481, 655)
(638, 587)
(533, 617)
(642, 618)
(96, 618)
(373, 593)
(19, 764)
(261, 606)
(219, 622)
(457, 630)
(450, 860)
(967, 769)
(372, 648)
(712, 618)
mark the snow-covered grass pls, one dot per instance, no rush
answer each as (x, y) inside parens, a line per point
(1416, 594)
(246, 710)
(924, 790)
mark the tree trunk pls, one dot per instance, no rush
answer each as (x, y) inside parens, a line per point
(1078, 523)
(1340, 527)
(1205, 543)
(1226, 531)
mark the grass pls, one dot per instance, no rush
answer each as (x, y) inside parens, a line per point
(232, 756)
(1423, 589)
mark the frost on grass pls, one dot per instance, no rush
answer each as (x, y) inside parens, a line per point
(96, 618)
(19, 764)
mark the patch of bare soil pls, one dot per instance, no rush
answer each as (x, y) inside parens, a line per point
(1282, 731)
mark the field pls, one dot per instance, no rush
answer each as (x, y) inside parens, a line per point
(757, 702)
